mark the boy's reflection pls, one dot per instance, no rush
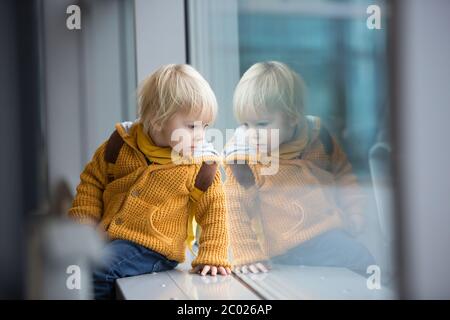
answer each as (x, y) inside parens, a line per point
(308, 212)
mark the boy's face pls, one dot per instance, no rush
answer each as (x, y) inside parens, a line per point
(182, 132)
(263, 127)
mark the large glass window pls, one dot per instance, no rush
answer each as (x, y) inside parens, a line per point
(344, 66)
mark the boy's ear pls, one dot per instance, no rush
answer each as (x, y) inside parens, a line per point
(156, 126)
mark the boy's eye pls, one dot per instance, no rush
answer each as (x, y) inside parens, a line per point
(192, 126)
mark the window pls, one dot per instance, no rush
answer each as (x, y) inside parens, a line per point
(344, 65)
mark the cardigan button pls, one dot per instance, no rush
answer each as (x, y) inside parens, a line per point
(119, 220)
(135, 193)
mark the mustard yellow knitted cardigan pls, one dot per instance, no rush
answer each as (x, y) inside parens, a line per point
(149, 204)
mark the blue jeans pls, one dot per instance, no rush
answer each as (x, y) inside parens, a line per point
(334, 248)
(126, 259)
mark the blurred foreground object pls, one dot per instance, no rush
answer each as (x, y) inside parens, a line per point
(61, 254)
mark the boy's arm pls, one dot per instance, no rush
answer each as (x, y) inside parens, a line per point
(87, 206)
(211, 216)
(243, 239)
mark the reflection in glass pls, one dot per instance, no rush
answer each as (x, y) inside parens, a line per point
(326, 212)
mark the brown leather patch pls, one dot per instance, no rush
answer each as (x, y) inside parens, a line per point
(205, 176)
(115, 143)
(243, 174)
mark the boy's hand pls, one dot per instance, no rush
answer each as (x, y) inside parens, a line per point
(253, 268)
(207, 269)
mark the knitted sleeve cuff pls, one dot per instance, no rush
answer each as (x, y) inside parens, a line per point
(217, 256)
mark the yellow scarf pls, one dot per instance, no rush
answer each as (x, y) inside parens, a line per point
(160, 155)
(163, 155)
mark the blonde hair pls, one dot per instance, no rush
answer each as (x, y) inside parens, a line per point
(267, 87)
(173, 88)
